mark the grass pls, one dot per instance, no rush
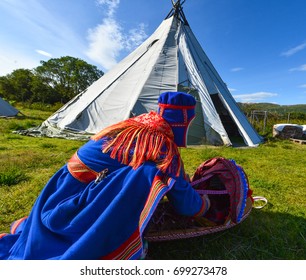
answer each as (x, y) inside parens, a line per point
(276, 170)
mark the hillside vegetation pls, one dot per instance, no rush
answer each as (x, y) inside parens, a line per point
(273, 108)
(263, 116)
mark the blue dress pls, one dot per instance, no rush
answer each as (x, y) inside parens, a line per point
(99, 219)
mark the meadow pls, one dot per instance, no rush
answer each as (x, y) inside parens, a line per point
(276, 170)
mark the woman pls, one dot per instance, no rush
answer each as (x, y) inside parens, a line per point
(97, 206)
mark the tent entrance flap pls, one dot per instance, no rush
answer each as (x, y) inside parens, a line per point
(227, 121)
(199, 133)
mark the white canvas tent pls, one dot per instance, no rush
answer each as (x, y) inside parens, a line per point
(171, 59)
(6, 109)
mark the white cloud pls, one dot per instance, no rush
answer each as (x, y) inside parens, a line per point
(136, 37)
(40, 29)
(44, 53)
(294, 50)
(303, 86)
(254, 97)
(232, 89)
(112, 5)
(105, 43)
(300, 68)
(108, 39)
(237, 69)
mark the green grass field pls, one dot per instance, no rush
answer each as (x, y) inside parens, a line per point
(276, 170)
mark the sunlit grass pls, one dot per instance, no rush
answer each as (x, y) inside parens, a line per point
(276, 170)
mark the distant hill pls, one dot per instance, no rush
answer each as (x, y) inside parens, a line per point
(273, 108)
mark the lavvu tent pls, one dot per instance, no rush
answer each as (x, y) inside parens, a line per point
(171, 59)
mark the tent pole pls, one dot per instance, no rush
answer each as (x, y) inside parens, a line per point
(177, 11)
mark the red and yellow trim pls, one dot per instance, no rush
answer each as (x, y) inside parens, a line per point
(133, 246)
(80, 171)
(128, 249)
(176, 107)
(204, 208)
(16, 224)
(3, 234)
(159, 188)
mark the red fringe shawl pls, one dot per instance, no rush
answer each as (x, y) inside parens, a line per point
(147, 137)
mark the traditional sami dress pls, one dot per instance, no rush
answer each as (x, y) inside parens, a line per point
(96, 207)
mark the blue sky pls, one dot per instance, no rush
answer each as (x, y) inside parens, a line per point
(258, 47)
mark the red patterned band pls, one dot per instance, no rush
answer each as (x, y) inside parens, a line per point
(176, 107)
(80, 171)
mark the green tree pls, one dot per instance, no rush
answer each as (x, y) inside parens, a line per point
(43, 92)
(68, 76)
(6, 88)
(56, 80)
(17, 85)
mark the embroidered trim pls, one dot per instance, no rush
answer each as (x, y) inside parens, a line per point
(178, 125)
(160, 186)
(244, 185)
(81, 171)
(177, 107)
(184, 124)
(133, 247)
(205, 206)
(3, 234)
(161, 111)
(127, 250)
(16, 224)
(185, 116)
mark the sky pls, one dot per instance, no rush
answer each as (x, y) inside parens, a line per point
(258, 47)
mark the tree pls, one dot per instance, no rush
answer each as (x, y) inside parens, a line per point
(68, 76)
(43, 92)
(56, 80)
(6, 88)
(17, 85)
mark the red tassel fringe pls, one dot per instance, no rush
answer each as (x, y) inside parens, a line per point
(133, 143)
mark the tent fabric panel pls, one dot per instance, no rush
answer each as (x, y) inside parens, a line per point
(210, 115)
(6, 109)
(124, 95)
(202, 61)
(163, 76)
(99, 89)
